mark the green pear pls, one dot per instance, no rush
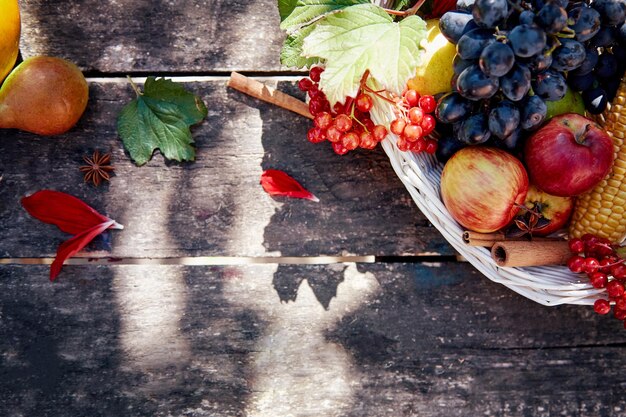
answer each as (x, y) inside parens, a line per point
(572, 102)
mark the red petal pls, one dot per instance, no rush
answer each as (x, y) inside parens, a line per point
(67, 212)
(72, 246)
(276, 182)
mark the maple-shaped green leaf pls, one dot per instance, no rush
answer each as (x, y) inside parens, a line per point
(304, 11)
(159, 118)
(285, 7)
(291, 54)
(364, 37)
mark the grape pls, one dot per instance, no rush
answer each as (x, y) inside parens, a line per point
(448, 145)
(472, 43)
(586, 22)
(552, 18)
(613, 12)
(474, 129)
(503, 119)
(474, 84)
(533, 112)
(526, 17)
(607, 66)
(539, 62)
(490, 13)
(513, 141)
(570, 55)
(595, 100)
(549, 85)
(622, 33)
(453, 108)
(591, 59)
(466, 5)
(516, 83)
(527, 40)
(606, 37)
(581, 82)
(459, 64)
(496, 59)
(454, 24)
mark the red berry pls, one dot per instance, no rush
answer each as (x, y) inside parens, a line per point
(397, 126)
(575, 263)
(576, 245)
(333, 134)
(615, 289)
(305, 84)
(591, 265)
(402, 144)
(379, 132)
(598, 279)
(339, 148)
(412, 132)
(364, 103)
(315, 73)
(316, 135)
(419, 145)
(428, 124)
(369, 124)
(416, 115)
(619, 314)
(412, 98)
(619, 271)
(431, 146)
(620, 303)
(428, 103)
(343, 123)
(316, 106)
(601, 306)
(350, 141)
(367, 141)
(323, 120)
(338, 108)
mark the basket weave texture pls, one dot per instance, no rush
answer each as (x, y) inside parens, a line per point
(547, 285)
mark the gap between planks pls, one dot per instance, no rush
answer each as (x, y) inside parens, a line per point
(232, 260)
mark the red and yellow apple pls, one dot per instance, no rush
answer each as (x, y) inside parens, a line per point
(568, 156)
(482, 188)
(555, 209)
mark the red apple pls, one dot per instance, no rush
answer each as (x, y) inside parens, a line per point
(568, 156)
(481, 187)
(553, 208)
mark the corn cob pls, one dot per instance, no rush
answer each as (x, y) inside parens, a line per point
(602, 211)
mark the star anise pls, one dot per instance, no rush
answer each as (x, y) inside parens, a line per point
(528, 221)
(98, 168)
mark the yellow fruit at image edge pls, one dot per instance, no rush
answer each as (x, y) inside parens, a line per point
(9, 35)
(43, 95)
(435, 71)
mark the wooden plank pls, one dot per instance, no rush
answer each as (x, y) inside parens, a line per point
(215, 205)
(155, 37)
(267, 340)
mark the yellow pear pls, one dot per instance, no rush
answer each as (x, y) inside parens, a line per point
(435, 71)
(9, 35)
(43, 95)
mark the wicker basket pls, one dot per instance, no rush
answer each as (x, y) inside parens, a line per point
(547, 285)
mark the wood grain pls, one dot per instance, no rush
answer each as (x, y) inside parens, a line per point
(153, 37)
(215, 205)
(345, 339)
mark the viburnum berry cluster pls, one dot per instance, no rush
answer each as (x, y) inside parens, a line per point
(414, 122)
(600, 260)
(347, 125)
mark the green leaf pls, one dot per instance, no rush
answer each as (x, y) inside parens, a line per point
(307, 10)
(400, 4)
(291, 54)
(159, 118)
(285, 7)
(365, 37)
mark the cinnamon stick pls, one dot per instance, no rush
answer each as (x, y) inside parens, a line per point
(268, 94)
(489, 239)
(531, 253)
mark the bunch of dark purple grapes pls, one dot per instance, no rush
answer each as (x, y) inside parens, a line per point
(515, 55)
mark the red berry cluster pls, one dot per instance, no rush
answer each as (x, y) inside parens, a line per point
(414, 122)
(598, 258)
(346, 126)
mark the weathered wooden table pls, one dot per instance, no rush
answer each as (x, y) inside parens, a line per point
(217, 303)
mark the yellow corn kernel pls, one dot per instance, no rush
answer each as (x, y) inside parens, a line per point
(601, 210)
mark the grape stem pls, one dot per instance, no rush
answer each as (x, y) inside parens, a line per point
(408, 12)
